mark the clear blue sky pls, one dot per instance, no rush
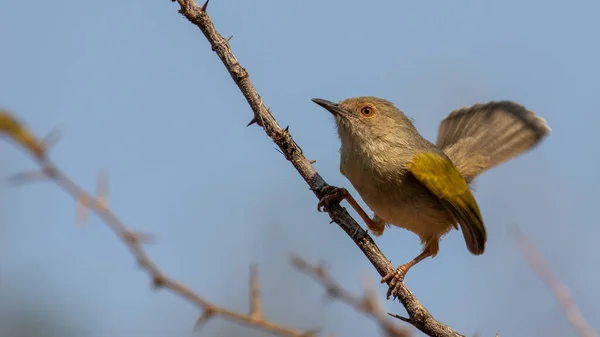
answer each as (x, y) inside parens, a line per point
(136, 90)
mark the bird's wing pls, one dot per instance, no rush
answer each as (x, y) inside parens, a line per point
(484, 135)
(443, 179)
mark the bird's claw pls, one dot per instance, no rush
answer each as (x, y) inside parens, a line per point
(331, 195)
(395, 278)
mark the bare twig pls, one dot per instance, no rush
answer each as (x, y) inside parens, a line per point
(368, 304)
(418, 314)
(15, 131)
(561, 291)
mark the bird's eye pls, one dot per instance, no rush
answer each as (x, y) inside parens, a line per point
(367, 111)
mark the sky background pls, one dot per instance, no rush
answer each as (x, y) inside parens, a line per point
(136, 90)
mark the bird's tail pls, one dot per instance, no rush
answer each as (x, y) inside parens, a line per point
(482, 136)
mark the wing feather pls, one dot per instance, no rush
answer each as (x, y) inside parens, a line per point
(442, 178)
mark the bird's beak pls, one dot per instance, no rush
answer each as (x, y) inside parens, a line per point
(334, 108)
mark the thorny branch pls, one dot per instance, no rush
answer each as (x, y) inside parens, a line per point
(368, 304)
(15, 131)
(418, 314)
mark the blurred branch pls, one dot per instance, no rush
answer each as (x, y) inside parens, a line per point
(418, 314)
(561, 291)
(255, 300)
(368, 304)
(15, 131)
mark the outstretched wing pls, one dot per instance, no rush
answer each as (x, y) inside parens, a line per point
(484, 135)
(442, 178)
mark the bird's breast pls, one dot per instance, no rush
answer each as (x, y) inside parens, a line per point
(396, 196)
(380, 186)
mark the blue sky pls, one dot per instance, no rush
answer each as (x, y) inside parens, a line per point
(137, 91)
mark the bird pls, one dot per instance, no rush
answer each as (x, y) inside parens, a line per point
(412, 183)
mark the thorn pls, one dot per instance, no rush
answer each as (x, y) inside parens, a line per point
(229, 38)
(206, 315)
(204, 6)
(102, 189)
(255, 300)
(312, 161)
(25, 177)
(332, 221)
(51, 139)
(287, 129)
(402, 318)
(251, 122)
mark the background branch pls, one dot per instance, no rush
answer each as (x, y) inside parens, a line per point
(560, 291)
(418, 314)
(15, 131)
(368, 304)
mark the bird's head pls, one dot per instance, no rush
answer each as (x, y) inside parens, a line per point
(367, 118)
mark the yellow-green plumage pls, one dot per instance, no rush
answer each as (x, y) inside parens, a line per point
(443, 179)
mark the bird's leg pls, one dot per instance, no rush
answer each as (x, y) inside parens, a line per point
(333, 194)
(397, 276)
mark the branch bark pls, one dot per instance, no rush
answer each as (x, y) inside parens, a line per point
(419, 316)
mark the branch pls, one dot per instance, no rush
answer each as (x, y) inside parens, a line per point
(418, 314)
(560, 291)
(368, 304)
(16, 132)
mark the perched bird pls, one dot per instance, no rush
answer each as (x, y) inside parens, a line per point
(411, 183)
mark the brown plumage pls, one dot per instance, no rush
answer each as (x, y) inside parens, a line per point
(411, 183)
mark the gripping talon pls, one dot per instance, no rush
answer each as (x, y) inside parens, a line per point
(395, 278)
(331, 195)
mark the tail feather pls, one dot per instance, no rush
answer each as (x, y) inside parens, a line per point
(471, 225)
(482, 136)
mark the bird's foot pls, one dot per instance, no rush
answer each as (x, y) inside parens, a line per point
(331, 195)
(395, 278)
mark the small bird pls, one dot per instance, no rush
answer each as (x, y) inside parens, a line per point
(412, 183)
